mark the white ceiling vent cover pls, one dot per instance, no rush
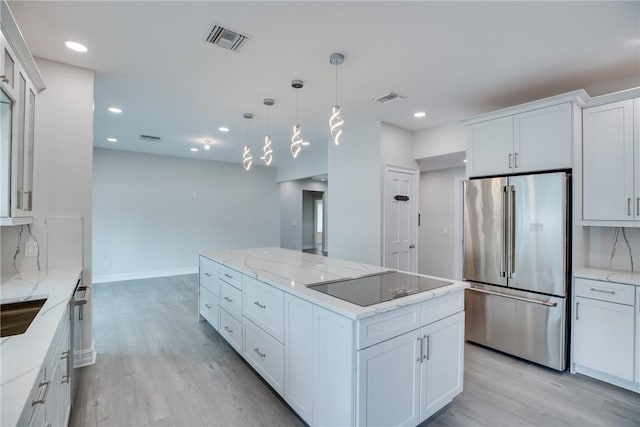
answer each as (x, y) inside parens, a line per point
(388, 96)
(226, 38)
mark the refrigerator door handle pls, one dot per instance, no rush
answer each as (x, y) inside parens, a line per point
(503, 248)
(512, 233)
(534, 301)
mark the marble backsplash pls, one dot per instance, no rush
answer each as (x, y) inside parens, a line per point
(57, 242)
(614, 248)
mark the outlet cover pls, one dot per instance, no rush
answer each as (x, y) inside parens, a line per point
(31, 248)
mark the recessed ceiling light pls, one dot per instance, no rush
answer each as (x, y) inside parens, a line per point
(464, 161)
(207, 146)
(115, 110)
(112, 139)
(419, 114)
(76, 46)
(223, 129)
(194, 149)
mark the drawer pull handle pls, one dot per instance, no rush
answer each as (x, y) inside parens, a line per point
(228, 299)
(603, 291)
(4, 79)
(64, 355)
(207, 274)
(65, 379)
(228, 276)
(260, 305)
(228, 329)
(43, 399)
(207, 305)
(577, 311)
(257, 350)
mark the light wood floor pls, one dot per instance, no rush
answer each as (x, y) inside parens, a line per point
(157, 365)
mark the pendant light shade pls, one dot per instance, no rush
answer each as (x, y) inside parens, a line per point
(336, 121)
(297, 141)
(267, 155)
(247, 158)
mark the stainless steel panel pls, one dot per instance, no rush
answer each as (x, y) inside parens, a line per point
(524, 324)
(538, 237)
(484, 229)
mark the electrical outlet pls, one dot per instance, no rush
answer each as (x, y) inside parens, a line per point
(107, 264)
(31, 248)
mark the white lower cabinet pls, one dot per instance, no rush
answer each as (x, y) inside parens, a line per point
(231, 330)
(403, 381)
(298, 355)
(209, 307)
(605, 332)
(265, 354)
(49, 403)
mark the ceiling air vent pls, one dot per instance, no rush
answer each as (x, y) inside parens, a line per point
(151, 138)
(386, 97)
(226, 38)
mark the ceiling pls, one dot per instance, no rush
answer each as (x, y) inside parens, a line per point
(450, 59)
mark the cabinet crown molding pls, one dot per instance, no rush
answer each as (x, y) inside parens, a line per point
(609, 98)
(578, 97)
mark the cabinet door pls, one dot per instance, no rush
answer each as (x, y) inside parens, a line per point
(29, 131)
(18, 147)
(637, 354)
(7, 67)
(607, 155)
(389, 382)
(298, 356)
(443, 369)
(636, 158)
(542, 139)
(490, 147)
(209, 307)
(603, 337)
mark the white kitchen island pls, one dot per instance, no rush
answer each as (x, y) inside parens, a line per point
(334, 362)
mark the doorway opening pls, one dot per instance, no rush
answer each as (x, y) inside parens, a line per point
(314, 222)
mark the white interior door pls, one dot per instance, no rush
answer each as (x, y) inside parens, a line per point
(400, 219)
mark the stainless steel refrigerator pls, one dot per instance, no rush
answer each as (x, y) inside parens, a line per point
(516, 255)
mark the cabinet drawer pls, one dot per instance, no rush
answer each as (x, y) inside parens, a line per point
(264, 305)
(265, 354)
(441, 307)
(231, 276)
(374, 329)
(209, 272)
(605, 291)
(231, 300)
(231, 330)
(209, 307)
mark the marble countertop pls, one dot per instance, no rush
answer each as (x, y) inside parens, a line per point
(22, 356)
(626, 277)
(294, 271)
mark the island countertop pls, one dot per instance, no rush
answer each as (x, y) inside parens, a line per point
(293, 271)
(22, 356)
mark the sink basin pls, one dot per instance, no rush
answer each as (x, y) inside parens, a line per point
(16, 317)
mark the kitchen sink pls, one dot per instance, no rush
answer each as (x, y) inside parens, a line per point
(16, 317)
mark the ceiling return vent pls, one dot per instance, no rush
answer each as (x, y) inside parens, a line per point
(226, 38)
(151, 138)
(388, 96)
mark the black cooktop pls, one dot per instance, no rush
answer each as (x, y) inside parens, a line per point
(369, 290)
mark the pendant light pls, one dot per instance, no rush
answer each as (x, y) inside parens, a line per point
(336, 122)
(247, 158)
(296, 140)
(267, 155)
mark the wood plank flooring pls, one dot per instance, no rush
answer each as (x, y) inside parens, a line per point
(157, 365)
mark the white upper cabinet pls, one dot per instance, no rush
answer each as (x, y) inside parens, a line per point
(611, 186)
(542, 139)
(533, 137)
(490, 147)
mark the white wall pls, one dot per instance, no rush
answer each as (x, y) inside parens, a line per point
(154, 214)
(355, 177)
(397, 147)
(437, 232)
(440, 140)
(308, 163)
(291, 210)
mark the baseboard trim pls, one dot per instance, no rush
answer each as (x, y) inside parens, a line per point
(84, 357)
(105, 278)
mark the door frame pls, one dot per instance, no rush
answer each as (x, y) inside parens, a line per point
(458, 226)
(416, 182)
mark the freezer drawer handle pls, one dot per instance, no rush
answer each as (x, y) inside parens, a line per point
(603, 291)
(545, 303)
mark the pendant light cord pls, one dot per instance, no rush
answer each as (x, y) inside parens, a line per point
(336, 84)
(296, 106)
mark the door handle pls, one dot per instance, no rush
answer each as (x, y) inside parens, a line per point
(628, 206)
(637, 206)
(510, 156)
(412, 246)
(503, 255)
(419, 359)
(512, 237)
(515, 160)
(427, 354)
(577, 311)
